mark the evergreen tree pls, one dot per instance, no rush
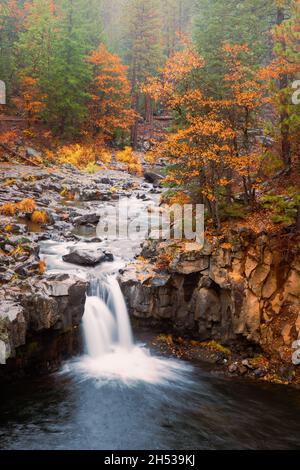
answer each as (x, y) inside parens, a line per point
(237, 22)
(143, 48)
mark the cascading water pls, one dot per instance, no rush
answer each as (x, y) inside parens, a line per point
(111, 352)
(106, 322)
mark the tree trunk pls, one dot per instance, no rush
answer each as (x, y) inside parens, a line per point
(134, 129)
(148, 109)
(298, 219)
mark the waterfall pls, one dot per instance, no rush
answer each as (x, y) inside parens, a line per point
(106, 322)
(111, 353)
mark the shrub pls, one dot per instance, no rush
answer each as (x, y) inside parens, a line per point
(233, 211)
(8, 209)
(27, 205)
(105, 157)
(129, 158)
(42, 267)
(39, 217)
(283, 207)
(77, 155)
(92, 168)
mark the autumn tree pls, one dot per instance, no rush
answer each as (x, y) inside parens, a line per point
(110, 108)
(244, 97)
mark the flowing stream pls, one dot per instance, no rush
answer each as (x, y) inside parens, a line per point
(119, 396)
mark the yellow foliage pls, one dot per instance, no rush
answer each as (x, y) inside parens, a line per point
(91, 168)
(39, 217)
(42, 267)
(67, 194)
(8, 209)
(8, 228)
(105, 157)
(77, 155)
(10, 182)
(129, 158)
(27, 205)
(29, 133)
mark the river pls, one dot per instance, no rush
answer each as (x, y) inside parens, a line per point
(119, 396)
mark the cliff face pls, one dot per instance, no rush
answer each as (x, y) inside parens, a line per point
(247, 287)
(39, 323)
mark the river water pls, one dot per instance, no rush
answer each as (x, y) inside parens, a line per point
(119, 396)
(183, 407)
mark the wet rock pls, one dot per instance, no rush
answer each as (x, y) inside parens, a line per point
(88, 258)
(153, 178)
(30, 152)
(47, 309)
(107, 181)
(87, 219)
(242, 370)
(233, 368)
(12, 329)
(6, 276)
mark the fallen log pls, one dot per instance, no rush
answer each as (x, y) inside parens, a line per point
(17, 155)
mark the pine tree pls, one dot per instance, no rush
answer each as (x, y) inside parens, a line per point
(237, 22)
(144, 48)
(11, 19)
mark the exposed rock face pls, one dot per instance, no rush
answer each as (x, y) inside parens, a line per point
(88, 258)
(33, 319)
(247, 288)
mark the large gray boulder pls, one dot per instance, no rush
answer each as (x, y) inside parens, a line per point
(88, 258)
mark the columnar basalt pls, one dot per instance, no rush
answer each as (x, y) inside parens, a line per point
(245, 287)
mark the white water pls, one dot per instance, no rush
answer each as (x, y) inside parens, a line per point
(111, 353)
(106, 322)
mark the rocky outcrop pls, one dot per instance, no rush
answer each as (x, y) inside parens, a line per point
(247, 287)
(33, 320)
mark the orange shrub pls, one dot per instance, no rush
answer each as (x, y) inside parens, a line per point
(27, 205)
(39, 217)
(42, 266)
(8, 209)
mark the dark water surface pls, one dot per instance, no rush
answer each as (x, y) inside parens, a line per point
(197, 411)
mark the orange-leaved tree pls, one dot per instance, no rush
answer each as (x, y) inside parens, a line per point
(198, 150)
(110, 108)
(244, 98)
(31, 101)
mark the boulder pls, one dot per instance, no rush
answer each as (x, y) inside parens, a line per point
(30, 152)
(153, 178)
(87, 219)
(88, 258)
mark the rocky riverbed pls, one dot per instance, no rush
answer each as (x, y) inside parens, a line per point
(234, 302)
(40, 314)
